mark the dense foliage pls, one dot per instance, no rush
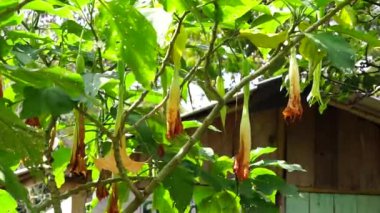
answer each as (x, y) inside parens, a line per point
(93, 88)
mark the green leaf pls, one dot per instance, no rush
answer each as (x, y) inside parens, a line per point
(196, 124)
(179, 181)
(339, 52)
(178, 6)
(7, 203)
(59, 9)
(61, 158)
(279, 163)
(222, 166)
(201, 193)
(346, 17)
(224, 201)
(10, 181)
(71, 83)
(232, 10)
(371, 39)
(124, 27)
(19, 140)
(15, 34)
(259, 151)
(268, 184)
(162, 201)
(259, 39)
(51, 101)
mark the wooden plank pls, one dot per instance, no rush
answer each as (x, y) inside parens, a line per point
(370, 163)
(264, 130)
(326, 149)
(321, 203)
(368, 204)
(345, 203)
(349, 156)
(298, 204)
(300, 138)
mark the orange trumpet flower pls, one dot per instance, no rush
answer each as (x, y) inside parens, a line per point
(241, 164)
(293, 110)
(173, 118)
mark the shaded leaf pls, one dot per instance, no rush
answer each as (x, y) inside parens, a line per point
(179, 181)
(45, 101)
(338, 50)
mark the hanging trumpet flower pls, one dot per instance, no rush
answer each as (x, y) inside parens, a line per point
(293, 110)
(241, 164)
(78, 161)
(173, 118)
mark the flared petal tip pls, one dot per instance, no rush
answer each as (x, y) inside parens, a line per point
(292, 114)
(241, 170)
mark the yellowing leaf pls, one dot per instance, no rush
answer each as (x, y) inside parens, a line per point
(271, 40)
(109, 163)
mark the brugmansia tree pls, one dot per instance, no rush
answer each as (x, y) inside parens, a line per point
(93, 88)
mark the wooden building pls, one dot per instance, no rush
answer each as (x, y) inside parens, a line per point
(340, 149)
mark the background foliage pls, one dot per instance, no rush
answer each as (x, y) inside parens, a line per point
(82, 79)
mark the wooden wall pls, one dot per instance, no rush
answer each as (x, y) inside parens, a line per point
(340, 151)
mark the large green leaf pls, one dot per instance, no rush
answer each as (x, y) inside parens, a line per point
(181, 180)
(259, 151)
(371, 39)
(18, 140)
(50, 101)
(339, 52)
(52, 7)
(131, 37)
(7, 203)
(71, 83)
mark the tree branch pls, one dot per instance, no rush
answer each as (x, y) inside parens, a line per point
(173, 163)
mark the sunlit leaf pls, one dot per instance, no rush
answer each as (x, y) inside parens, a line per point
(126, 25)
(367, 37)
(7, 203)
(61, 158)
(162, 201)
(264, 40)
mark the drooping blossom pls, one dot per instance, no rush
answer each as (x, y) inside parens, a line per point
(173, 118)
(109, 162)
(293, 110)
(33, 121)
(241, 164)
(78, 161)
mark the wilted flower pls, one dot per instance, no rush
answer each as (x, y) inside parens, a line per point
(173, 118)
(78, 161)
(34, 121)
(241, 164)
(293, 110)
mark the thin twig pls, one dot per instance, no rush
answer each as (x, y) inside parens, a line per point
(173, 163)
